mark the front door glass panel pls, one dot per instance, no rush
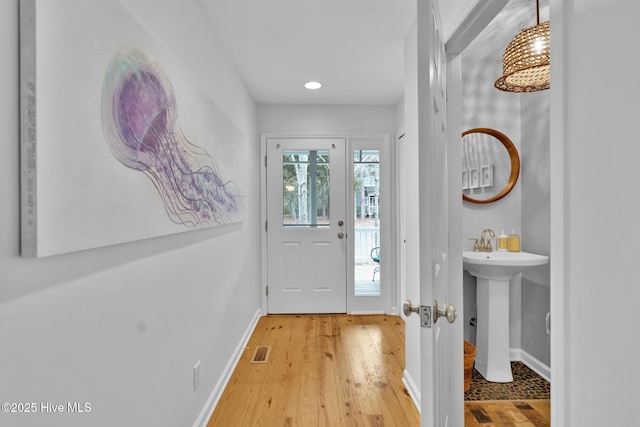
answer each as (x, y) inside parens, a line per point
(305, 186)
(366, 203)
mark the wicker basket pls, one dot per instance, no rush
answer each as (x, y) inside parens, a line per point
(469, 358)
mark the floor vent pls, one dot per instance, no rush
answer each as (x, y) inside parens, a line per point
(261, 355)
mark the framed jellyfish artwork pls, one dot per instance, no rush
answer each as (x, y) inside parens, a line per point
(140, 125)
(118, 143)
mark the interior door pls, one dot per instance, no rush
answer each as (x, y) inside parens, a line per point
(433, 206)
(306, 229)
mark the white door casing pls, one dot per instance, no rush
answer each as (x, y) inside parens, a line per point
(401, 231)
(307, 262)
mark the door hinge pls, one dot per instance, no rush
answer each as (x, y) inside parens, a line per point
(265, 161)
(267, 291)
(266, 226)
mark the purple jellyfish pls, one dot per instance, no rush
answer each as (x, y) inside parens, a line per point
(139, 118)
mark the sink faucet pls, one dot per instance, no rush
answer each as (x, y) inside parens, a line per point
(486, 247)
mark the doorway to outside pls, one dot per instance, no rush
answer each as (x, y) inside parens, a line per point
(326, 228)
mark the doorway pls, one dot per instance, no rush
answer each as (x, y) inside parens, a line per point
(325, 224)
(515, 116)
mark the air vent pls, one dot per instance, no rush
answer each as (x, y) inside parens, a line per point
(261, 355)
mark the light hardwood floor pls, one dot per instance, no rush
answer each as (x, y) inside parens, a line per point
(340, 370)
(529, 413)
(323, 370)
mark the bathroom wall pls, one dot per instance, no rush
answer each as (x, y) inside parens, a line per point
(525, 120)
(485, 106)
(121, 327)
(536, 201)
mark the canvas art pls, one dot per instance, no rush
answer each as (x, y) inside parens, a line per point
(139, 117)
(118, 142)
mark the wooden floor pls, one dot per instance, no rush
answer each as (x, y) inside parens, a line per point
(340, 370)
(499, 413)
(333, 370)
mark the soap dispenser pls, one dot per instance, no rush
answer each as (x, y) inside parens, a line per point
(502, 241)
(513, 242)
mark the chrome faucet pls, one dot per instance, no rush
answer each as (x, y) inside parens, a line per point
(486, 247)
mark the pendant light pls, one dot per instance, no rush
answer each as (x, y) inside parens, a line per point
(525, 63)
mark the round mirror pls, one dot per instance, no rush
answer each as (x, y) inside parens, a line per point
(490, 165)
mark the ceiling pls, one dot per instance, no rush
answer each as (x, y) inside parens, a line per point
(354, 47)
(516, 15)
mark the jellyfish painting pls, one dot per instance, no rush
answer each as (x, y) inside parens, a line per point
(139, 117)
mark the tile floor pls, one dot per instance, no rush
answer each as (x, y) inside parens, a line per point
(527, 385)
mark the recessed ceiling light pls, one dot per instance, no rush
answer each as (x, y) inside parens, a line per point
(313, 85)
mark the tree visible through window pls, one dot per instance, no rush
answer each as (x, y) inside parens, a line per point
(305, 178)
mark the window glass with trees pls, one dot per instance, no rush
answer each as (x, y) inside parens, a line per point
(305, 178)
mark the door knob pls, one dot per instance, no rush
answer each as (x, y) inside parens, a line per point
(449, 312)
(340, 235)
(424, 312)
(407, 308)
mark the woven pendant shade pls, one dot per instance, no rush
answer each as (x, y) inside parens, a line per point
(525, 62)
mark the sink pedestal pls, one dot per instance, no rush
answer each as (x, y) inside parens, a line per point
(493, 358)
(493, 270)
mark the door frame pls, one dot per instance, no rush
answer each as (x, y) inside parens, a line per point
(559, 217)
(468, 24)
(387, 233)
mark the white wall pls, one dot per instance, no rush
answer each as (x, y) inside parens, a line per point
(121, 327)
(594, 175)
(536, 228)
(326, 119)
(485, 106)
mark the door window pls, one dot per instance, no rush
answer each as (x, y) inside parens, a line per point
(366, 203)
(305, 186)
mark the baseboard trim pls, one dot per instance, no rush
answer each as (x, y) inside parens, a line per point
(515, 354)
(216, 394)
(412, 389)
(519, 355)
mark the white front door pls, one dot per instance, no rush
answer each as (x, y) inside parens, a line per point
(434, 227)
(306, 227)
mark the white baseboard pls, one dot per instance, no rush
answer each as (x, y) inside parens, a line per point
(413, 390)
(215, 395)
(519, 355)
(515, 354)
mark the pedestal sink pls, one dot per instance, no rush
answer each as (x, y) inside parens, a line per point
(493, 271)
